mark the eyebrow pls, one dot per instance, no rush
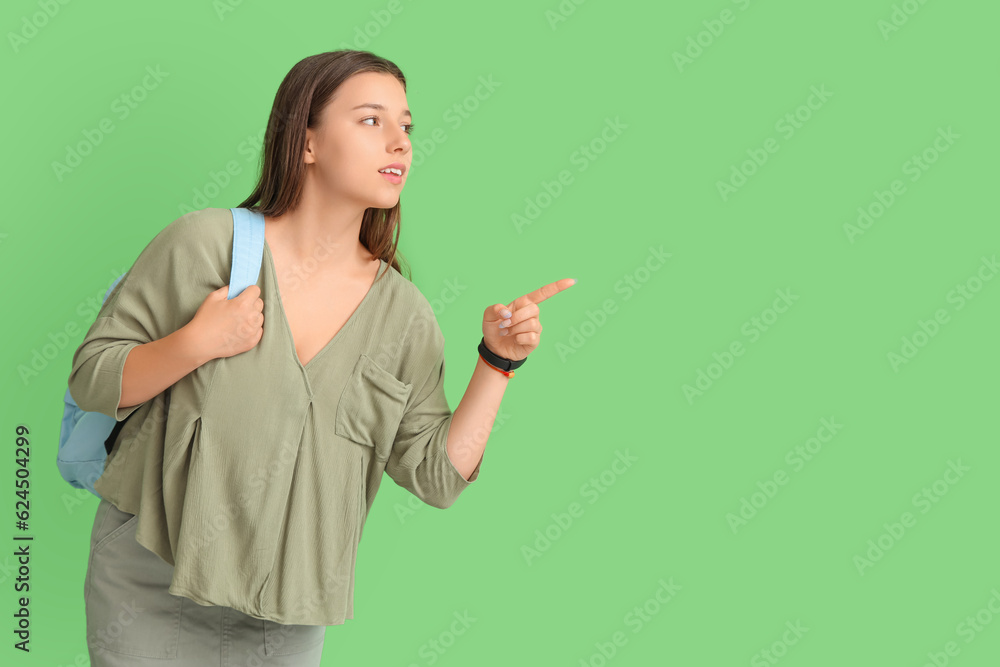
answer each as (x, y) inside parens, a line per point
(373, 105)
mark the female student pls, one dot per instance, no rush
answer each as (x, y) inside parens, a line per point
(235, 497)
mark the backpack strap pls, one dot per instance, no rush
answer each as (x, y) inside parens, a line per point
(112, 288)
(248, 250)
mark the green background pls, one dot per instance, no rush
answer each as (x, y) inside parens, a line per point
(608, 377)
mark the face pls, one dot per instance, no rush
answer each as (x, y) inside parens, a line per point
(354, 141)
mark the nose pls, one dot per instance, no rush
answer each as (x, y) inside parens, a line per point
(400, 140)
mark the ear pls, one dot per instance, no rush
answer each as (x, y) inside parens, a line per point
(308, 157)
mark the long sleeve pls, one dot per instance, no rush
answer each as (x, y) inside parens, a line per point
(419, 459)
(160, 293)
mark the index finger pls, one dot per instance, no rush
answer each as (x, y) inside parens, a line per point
(550, 290)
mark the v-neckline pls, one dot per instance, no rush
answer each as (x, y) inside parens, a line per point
(284, 317)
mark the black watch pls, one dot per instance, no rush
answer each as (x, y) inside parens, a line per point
(499, 362)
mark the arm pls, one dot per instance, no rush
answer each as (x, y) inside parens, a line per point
(514, 330)
(474, 417)
(437, 453)
(152, 367)
(424, 453)
(141, 341)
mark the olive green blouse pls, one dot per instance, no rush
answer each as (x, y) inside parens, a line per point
(253, 475)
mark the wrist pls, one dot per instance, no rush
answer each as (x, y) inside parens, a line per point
(493, 371)
(189, 346)
(495, 361)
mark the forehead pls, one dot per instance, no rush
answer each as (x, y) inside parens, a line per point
(370, 87)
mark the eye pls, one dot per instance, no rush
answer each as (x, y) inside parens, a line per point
(409, 127)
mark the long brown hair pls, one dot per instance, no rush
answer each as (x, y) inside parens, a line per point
(298, 105)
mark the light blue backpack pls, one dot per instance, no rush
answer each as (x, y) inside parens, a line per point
(86, 438)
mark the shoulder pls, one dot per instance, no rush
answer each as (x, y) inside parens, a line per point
(194, 250)
(410, 301)
(199, 228)
(414, 311)
(199, 241)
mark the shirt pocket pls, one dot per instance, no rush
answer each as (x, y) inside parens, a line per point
(371, 407)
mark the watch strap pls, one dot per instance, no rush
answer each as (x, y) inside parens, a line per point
(498, 361)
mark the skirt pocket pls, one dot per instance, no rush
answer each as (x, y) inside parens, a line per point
(128, 607)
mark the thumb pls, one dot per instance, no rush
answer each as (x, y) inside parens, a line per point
(219, 294)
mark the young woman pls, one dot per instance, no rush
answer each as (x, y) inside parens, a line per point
(233, 502)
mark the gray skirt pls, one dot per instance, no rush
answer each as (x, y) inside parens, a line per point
(133, 620)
